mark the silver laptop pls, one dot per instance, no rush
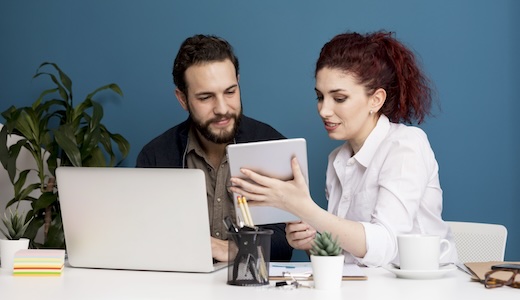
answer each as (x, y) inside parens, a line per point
(136, 218)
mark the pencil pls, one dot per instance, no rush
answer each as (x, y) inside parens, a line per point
(242, 210)
(263, 269)
(248, 212)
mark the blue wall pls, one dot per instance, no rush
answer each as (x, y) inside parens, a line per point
(467, 48)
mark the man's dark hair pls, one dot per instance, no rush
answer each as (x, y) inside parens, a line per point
(200, 49)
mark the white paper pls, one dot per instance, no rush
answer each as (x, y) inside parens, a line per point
(304, 269)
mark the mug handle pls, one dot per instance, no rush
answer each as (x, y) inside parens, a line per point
(446, 245)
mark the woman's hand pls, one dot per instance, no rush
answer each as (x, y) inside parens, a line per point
(265, 191)
(300, 235)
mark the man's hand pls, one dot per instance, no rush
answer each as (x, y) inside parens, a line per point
(300, 235)
(219, 249)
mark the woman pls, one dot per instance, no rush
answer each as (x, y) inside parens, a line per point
(384, 180)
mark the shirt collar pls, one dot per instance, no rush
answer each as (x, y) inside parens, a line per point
(378, 134)
(193, 143)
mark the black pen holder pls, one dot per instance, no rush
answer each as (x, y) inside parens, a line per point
(249, 250)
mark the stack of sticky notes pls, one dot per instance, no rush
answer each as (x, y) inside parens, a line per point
(39, 262)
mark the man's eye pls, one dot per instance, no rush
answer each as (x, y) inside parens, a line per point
(230, 92)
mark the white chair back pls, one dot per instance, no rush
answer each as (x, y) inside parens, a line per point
(479, 242)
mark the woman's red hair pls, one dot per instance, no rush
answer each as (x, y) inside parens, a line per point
(378, 60)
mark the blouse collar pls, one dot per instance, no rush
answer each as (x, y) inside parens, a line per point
(374, 139)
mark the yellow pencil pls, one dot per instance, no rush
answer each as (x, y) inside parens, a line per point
(242, 210)
(248, 212)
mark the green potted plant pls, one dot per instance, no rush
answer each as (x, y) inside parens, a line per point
(327, 262)
(15, 225)
(56, 132)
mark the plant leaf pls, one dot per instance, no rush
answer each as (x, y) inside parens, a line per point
(34, 226)
(26, 124)
(42, 95)
(61, 89)
(15, 225)
(122, 144)
(55, 237)
(13, 200)
(67, 83)
(112, 86)
(96, 159)
(46, 199)
(4, 150)
(66, 139)
(11, 158)
(92, 134)
(24, 194)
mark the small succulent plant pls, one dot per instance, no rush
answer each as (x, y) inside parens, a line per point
(14, 224)
(324, 245)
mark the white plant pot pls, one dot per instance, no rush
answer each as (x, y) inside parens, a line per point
(7, 250)
(327, 271)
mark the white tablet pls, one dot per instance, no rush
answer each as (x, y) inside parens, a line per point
(273, 159)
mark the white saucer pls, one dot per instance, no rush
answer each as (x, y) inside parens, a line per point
(417, 274)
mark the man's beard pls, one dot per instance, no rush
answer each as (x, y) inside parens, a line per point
(224, 137)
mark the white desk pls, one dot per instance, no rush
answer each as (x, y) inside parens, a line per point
(114, 284)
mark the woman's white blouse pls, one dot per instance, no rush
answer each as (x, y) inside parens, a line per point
(391, 186)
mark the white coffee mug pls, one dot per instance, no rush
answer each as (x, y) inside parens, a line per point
(421, 252)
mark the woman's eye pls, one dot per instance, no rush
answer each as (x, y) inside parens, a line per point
(340, 99)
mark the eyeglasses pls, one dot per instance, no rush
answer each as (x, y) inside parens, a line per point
(493, 282)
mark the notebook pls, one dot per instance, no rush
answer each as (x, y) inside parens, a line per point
(479, 269)
(136, 218)
(270, 158)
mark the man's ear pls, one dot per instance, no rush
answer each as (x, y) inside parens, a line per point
(377, 99)
(181, 97)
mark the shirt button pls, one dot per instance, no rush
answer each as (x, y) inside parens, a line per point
(218, 200)
(217, 233)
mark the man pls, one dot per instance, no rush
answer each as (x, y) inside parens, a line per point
(206, 75)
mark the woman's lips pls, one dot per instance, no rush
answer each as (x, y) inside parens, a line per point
(329, 126)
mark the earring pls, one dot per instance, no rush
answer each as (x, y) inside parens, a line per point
(371, 112)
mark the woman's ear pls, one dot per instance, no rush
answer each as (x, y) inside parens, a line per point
(181, 97)
(377, 99)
